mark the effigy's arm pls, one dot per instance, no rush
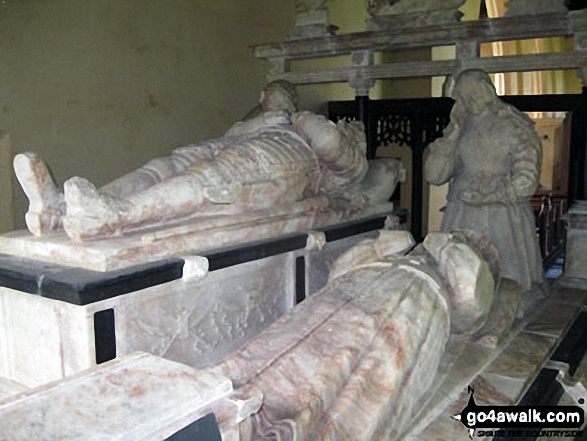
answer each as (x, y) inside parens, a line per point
(259, 122)
(526, 167)
(339, 148)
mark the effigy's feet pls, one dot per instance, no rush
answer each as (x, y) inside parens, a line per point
(46, 203)
(90, 213)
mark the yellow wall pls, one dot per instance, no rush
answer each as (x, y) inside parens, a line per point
(98, 87)
(5, 183)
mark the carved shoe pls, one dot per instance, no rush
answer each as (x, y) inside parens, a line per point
(46, 203)
(90, 214)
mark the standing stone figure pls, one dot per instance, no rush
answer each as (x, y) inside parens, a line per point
(491, 155)
(277, 158)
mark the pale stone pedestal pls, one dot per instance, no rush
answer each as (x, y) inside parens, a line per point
(57, 320)
(138, 397)
(575, 274)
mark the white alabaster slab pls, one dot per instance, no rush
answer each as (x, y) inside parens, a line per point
(140, 397)
(151, 245)
(199, 323)
(195, 322)
(42, 340)
(9, 388)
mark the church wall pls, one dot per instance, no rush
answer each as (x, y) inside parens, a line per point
(5, 183)
(101, 86)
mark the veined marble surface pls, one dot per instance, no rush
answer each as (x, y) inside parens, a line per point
(139, 397)
(499, 376)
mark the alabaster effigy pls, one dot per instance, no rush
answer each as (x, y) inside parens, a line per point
(356, 359)
(491, 156)
(277, 173)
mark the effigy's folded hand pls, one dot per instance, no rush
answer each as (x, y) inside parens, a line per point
(503, 194)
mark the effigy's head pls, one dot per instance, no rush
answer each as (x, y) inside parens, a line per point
(279, 96)
(474, 90)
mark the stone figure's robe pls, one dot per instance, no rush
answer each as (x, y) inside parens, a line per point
(353, 360)
(496, 156)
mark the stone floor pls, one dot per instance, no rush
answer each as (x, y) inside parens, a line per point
(501, 376)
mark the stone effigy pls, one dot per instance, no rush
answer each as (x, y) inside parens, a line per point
(191, 287)
(275, 160)
(355, 359)
(491, 155)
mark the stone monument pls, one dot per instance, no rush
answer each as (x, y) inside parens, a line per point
(312, 20)
(275, 159)
(191, 255)
(397, 14)
(491, 155)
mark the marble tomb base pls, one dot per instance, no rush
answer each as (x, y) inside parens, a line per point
(58, 320)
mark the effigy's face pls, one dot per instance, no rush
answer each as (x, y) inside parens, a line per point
(472, 94)
(276, 101)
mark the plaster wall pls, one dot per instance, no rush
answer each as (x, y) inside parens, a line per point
(5, 183)
(101, 86)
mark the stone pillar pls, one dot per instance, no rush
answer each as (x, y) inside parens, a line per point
(362, 86)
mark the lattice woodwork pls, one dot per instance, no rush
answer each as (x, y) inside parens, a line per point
(394, 129)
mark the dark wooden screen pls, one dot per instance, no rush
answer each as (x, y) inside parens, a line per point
(417, 122)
